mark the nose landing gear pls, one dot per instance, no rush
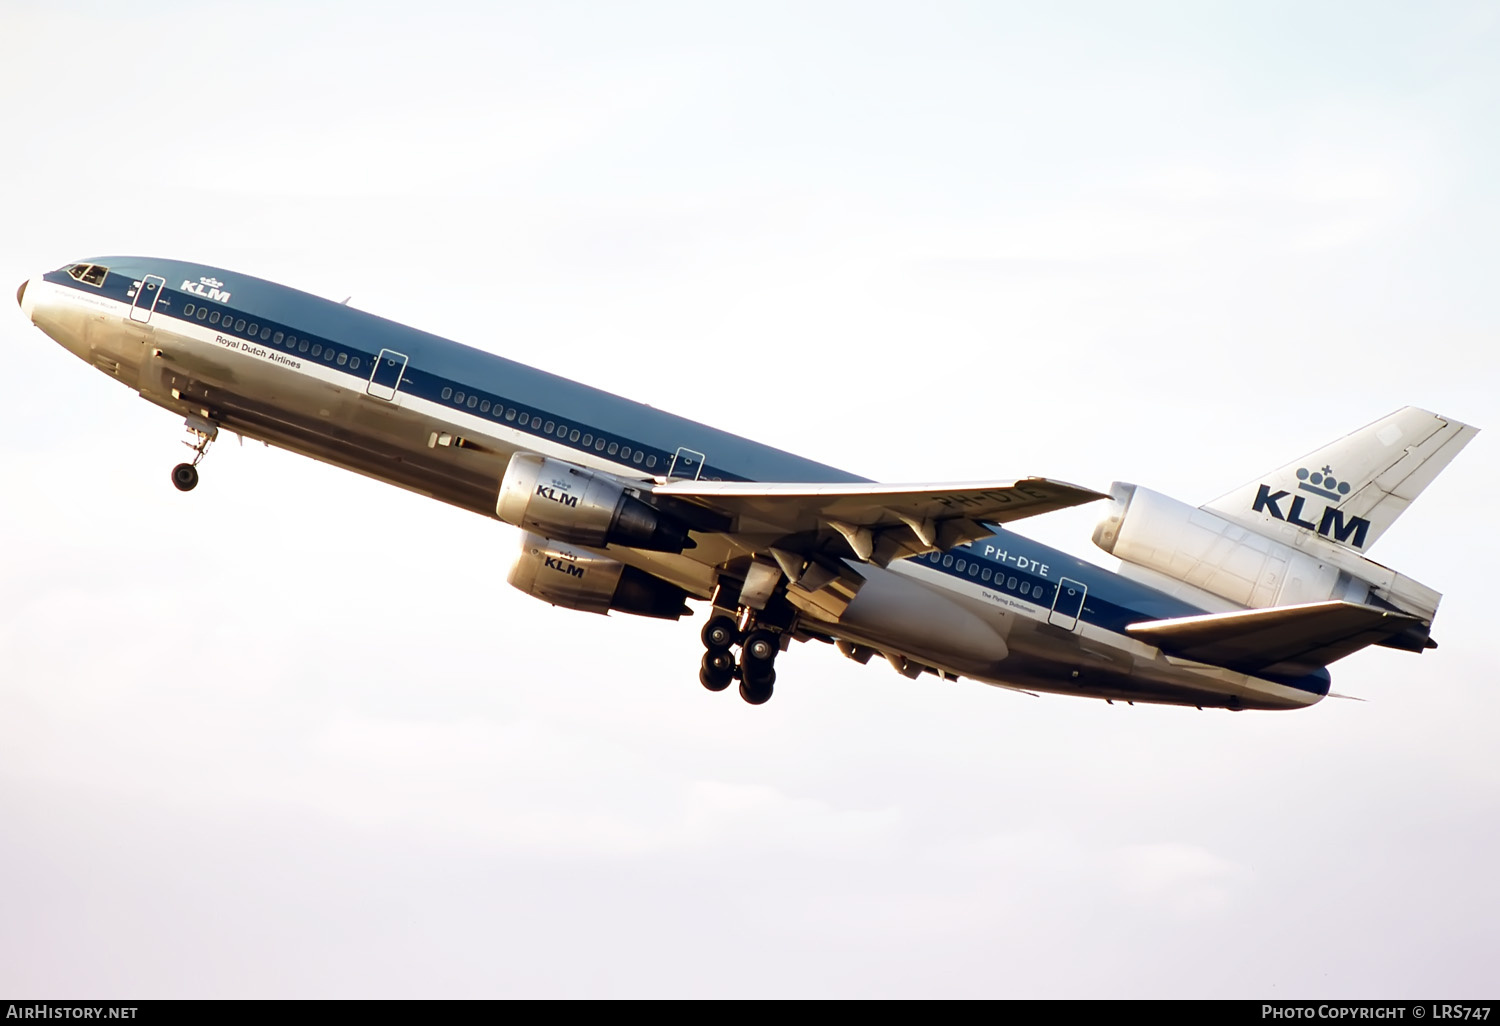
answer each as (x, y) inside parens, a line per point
(203, 432)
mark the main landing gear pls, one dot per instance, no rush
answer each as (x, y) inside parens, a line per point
(755, 667)
(203, 432)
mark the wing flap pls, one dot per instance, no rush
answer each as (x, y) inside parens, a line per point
(1283, 639)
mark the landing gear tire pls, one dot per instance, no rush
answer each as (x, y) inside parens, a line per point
(761, 648)
(717, 671)
(185, 477)
(719, 633)
(758, 690)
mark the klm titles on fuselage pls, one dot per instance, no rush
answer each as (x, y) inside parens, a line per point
(1332, 521)
(208, 288)
(254, 350)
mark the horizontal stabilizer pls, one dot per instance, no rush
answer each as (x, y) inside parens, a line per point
(1282, 639)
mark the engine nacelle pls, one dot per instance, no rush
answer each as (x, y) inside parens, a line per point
(1198, 548)
(582, 506)
(577, 579)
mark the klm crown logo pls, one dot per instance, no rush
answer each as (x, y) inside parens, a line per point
(1324, 483)
(1331, 523)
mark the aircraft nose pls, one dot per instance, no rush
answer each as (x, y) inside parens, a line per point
(27, 299)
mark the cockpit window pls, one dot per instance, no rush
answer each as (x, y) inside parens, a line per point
(89, 274)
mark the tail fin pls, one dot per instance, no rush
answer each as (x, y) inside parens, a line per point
(1349, 491)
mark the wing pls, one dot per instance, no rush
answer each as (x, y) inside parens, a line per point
(805, 533)
(879, 522)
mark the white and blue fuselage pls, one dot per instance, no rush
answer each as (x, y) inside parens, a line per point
(443, 419)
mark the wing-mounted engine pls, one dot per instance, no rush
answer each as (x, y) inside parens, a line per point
(583, 506)
(578, 579)
(1153, 531)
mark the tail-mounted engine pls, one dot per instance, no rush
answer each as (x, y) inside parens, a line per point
(1199, 548)
(1147, 529)
(584, 507)
(576, 579)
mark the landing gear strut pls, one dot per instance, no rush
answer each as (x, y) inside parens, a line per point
(203, 432)
(755, 667)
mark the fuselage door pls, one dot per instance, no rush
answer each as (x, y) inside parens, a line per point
(385, 379)
(687, 465)
(147, 292)
(1068, 604)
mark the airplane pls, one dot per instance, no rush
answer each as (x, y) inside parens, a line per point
(1240, 603)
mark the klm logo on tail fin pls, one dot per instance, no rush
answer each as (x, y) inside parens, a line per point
(1330, 522)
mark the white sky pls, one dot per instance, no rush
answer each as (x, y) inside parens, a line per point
(292, 734)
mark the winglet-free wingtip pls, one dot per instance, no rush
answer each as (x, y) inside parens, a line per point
(1092, 495)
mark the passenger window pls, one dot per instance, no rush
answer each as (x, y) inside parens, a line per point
(484, 407)
(239, 325)
(291, 341)
(1011, 584)
(572, 437)
(276, 339)
(302, 346)
(458, 397)
(265, 334)
(473, 401)
(973, 569)
(525, 419)
(548, 427)
(961, 564)
(638, 456)
(202, 312)
(588, 440)
(1025, 588)
(562, 430)
(213, 318)
(650, 461)
(510, 413)
(254, 328)
(328, 355)
(317, 350)
(187, 311)
(343, 359)
(354, 363)
(614, 447)
(947, 560)
(986, 575)
(599, 445)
